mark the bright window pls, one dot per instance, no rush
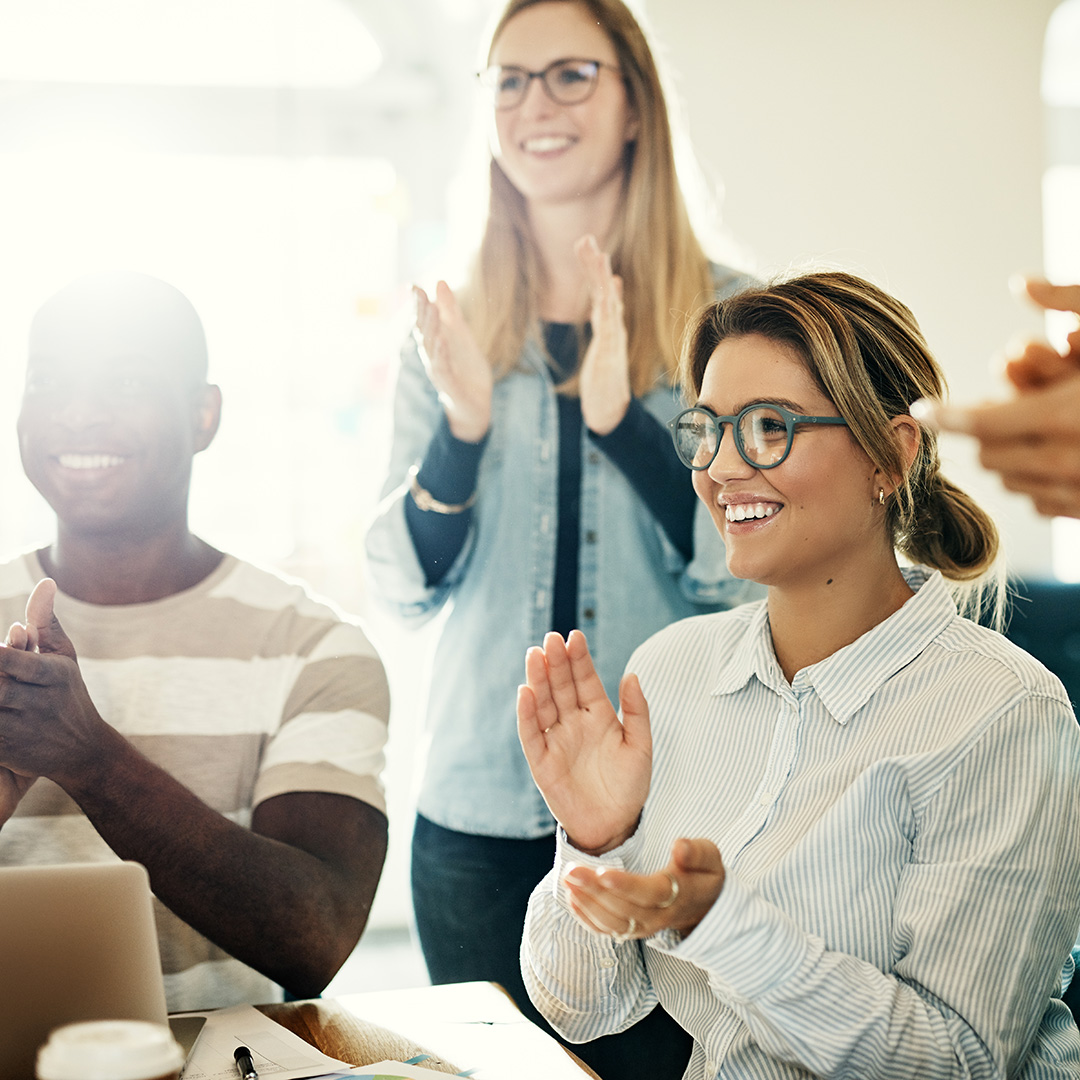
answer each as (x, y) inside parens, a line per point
(248, 152)
(206, 142)
(292, 264)
(186, 42)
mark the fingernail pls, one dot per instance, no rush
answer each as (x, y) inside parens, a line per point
(938, 416)
(1015, 347)
(925, 410)
(950, 418)
(1018, 285)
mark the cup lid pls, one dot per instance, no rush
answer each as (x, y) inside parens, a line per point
(109, 1050)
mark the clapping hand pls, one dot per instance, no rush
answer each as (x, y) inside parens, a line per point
(457, 368)
(1033, 441)
(26, 637)
(592, 770)
(625, 905)
(605, 369)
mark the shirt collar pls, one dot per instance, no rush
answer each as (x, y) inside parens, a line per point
(752, 656)
(848, 679)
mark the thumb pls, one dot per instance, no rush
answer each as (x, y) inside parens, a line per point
(446, 302)
(39, 606)
(700, 856)
(635, 713)
(42, 623)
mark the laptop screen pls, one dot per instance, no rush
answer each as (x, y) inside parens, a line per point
(78, 943)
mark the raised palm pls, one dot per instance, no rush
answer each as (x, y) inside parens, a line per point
(457, 368)
(605, 368)
(593, 771)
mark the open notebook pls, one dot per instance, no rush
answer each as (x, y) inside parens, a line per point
(77, 942)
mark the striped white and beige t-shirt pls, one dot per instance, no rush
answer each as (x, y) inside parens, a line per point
(243, 687)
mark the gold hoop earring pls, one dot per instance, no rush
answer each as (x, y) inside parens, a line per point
(881, 496)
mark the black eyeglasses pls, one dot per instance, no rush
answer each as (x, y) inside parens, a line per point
(763, 434)
(566, 82)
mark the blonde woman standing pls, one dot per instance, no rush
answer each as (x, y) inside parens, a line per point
(532, 484)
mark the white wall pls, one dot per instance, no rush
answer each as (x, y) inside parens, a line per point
(901, 141)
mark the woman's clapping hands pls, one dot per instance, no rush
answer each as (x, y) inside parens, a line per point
(627, 906)
(605, 368)
(457, 368)
(592, 770)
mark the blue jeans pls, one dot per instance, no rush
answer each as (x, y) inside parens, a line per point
(470, 894)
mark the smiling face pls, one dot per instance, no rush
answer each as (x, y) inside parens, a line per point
(812, 519)
(562, 154)
(113, 411)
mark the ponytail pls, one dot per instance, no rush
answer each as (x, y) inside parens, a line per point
(948, 531)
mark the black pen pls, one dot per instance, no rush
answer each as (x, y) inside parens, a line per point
(244, 1064)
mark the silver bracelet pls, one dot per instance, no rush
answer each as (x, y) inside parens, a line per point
(426, 501)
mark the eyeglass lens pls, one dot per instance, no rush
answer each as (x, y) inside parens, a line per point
(761, 436)
(566, 81)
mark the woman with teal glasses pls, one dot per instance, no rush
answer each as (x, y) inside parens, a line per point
(836, 832)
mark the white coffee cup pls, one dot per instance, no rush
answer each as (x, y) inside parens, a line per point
(110, 1050)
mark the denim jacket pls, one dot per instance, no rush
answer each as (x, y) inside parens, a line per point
(632, 582)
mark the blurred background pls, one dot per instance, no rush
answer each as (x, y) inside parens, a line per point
(293, 165)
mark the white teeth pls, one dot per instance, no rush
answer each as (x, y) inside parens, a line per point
(743, 511)
(545, 143)
(90, 461)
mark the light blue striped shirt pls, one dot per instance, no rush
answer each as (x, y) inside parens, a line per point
(901, 832)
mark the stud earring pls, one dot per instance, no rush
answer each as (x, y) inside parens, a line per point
(881, 496)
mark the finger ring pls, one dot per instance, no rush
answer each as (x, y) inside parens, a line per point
(620, 939)
(674, 890)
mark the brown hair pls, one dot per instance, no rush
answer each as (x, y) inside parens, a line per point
(664, 269)
(866, 352)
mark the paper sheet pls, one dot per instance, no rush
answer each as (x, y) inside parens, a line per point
(449, 1016)
(276, 1051)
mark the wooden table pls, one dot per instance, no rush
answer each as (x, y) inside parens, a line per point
(462, 1026)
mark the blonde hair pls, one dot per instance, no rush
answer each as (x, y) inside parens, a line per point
(866, 352)
(665, 271)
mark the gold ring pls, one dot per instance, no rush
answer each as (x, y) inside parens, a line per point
(674, 890)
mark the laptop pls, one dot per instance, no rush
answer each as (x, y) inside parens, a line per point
(77, 942)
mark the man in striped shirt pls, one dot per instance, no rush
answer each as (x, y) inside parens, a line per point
(219, 725)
